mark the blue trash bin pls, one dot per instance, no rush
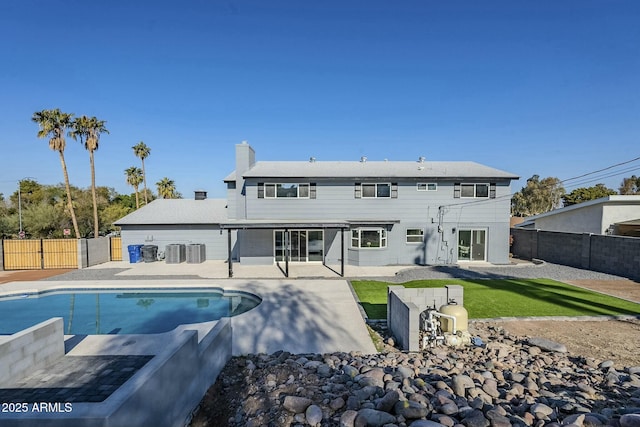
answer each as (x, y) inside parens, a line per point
(135, 253)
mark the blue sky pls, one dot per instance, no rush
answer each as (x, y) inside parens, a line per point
(531, 87)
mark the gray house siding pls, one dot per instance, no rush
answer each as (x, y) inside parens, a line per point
(255, 246)
(438, 213)
(162, 235)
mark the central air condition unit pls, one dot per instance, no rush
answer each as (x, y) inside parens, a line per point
(175, 253)
(196, 253)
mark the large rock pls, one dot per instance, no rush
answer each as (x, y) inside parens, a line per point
(410, 410)
(373, 418)
(425, 423)
(460, 383)
(348, 418)
(630, 420)
(314, 415)
(547, 345)
(387, 401)
(296, 404)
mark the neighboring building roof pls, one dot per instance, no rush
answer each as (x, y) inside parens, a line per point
(373, 169)
(178, 211)
(634, 222)
(615, 199)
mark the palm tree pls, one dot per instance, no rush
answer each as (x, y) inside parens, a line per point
(166, 188)
(53, 124)
(142, 152)
(89, 130)
(134, 178)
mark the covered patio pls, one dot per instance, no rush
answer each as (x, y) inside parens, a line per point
(287, 226)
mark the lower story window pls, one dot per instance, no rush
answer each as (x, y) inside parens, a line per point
(369, 238)
(415, 235)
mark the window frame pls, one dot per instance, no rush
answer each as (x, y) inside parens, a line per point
(271, 190)
(420, 235)
(356, 236)
(426, 186)
(475, 190)
(376, 186)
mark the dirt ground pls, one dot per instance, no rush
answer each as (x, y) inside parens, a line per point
(617, 340)
(29, 275)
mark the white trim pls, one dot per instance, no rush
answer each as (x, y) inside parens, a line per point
(382, 237)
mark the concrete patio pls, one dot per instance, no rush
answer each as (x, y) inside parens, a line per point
(215, 269)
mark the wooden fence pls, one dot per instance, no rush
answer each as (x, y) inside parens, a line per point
(41, 254)
(116, 249)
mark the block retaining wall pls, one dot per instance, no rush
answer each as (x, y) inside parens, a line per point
(617, 255)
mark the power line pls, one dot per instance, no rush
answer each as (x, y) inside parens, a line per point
(622, 172)
(601, 170)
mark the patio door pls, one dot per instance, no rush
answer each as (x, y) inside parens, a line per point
(472, 245)
(304, 245)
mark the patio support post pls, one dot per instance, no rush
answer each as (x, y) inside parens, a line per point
(286, 252)
(342, 250)
(229, 253)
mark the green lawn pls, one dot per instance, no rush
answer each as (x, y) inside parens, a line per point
(505, 298)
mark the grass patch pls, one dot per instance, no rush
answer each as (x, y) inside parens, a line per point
(487, 298)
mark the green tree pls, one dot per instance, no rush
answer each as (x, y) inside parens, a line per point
(53, 124)
(142, 152)
(630, 185)
(584, 194)
(537, 197)
(43, 220)
(167, 189)
(88, 130)
(134, 179)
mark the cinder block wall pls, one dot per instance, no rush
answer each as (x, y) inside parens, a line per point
(405, 305)
(609, 254)
(31, 349)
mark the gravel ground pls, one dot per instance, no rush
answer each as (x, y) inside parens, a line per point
(520, 270)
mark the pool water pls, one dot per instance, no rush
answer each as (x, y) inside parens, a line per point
(120, 311)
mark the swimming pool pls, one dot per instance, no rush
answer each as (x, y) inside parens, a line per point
(122, 311)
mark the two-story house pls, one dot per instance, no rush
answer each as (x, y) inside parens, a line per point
(361, 213)
(367, 212)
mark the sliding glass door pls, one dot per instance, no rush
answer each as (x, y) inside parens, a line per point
(304, 245)
(472, 245)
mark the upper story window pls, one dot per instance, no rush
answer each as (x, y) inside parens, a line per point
(426, 186)
(382, 190)
(286, 191)
(478, 191)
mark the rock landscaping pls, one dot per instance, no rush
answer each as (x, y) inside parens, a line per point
(508, 381)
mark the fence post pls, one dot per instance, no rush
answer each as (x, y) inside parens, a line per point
(83, 256)
(42, 254)
(1, 255)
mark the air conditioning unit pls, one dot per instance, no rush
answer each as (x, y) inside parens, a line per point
(175, 253)
(196, 253)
